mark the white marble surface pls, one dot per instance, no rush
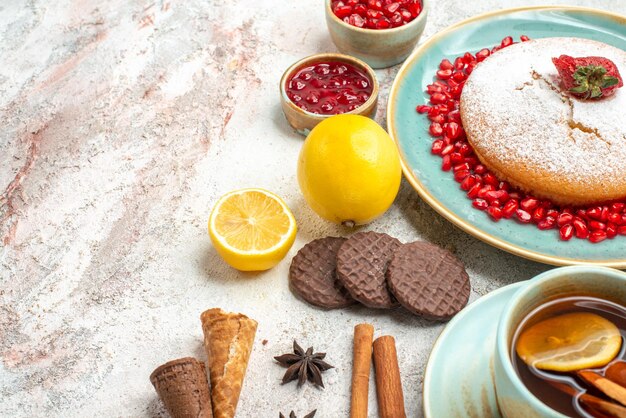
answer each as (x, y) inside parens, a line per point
(122, 123)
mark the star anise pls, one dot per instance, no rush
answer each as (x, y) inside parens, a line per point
(293, 415)
(303, 365)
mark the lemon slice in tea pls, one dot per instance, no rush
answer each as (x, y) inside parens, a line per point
(569, 342)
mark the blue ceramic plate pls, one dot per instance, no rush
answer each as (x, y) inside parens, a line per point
(459, 375)
(422, 169)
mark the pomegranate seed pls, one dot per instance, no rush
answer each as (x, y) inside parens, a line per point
(523, 216)
(597, 236)
(360, 9)
(439, 119)
(529, 203)
(501, 195)
(470, 67)
(483, 192)
(452, 130)
(617, 207)
(581, 228)
(447, 150)
(553, 213)
(468, 182)
(480, 169)
(539, 214)
(457, 158)
(343, 11)
(459, 76)
(615, 218)
(391, 8)
(446, 164)
(566, 232)
(460, 175)
(495, 213)
(444, 74)
(438, 98)
(454, 116)
(468, 57)
(514, 195)
(581, 213)
(605, 213)
(595, 213)
(490, 179)
(458, 63)
(445, 64)
(436, 129)
(595, 225)
(480, 204)
(621, 230)
(383, 23)
(509, 208)
(564, 219)
(506, 42)
(460, 167)
(482, 54)
(473, 192)
(524, 38)
(437, 147)
(422, 108)
(611, 230)
(546, 223)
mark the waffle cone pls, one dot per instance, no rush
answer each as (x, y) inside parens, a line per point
(228, 339)
(183, 387)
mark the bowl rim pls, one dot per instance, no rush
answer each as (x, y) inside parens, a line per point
(329, 56)
(504, 325)
(420, 17)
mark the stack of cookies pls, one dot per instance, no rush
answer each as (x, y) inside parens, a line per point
(379, 271)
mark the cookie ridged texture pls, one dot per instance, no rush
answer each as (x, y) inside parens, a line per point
(361, 265)
(428, 280)
(313, 276)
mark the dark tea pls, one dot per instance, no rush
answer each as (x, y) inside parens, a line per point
(570, 354)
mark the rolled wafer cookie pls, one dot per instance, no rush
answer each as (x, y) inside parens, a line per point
(228, 339)
(183, 388)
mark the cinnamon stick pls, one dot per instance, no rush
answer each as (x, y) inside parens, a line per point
(593, 402)
(388, 383)
(604, 385)
(363, 336)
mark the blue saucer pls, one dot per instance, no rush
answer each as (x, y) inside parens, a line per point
(459, 375)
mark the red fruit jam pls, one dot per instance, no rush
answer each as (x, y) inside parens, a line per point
(496, 198)
(376, 14)
(329, 88)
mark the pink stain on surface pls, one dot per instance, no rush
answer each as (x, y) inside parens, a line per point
(9, 195)
(66, 67)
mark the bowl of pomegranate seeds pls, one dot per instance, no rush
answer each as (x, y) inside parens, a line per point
(324, 85)
(380, 32)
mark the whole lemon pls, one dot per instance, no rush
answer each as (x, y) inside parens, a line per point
(349, 170)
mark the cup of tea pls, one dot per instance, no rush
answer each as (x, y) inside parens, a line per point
(560, 345)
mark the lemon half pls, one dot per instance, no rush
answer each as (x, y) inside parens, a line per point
(252, 229)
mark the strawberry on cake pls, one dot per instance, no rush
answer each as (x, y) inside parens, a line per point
(548, 116)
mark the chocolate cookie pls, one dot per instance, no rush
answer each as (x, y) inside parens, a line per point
(428, 280)
(313, 276)
(361, 265)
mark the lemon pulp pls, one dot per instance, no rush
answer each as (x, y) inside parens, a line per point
(252, 229)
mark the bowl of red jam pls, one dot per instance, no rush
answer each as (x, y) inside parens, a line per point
(380, 32)
(324, 85)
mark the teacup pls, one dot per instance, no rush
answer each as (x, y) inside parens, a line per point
(515, 400)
